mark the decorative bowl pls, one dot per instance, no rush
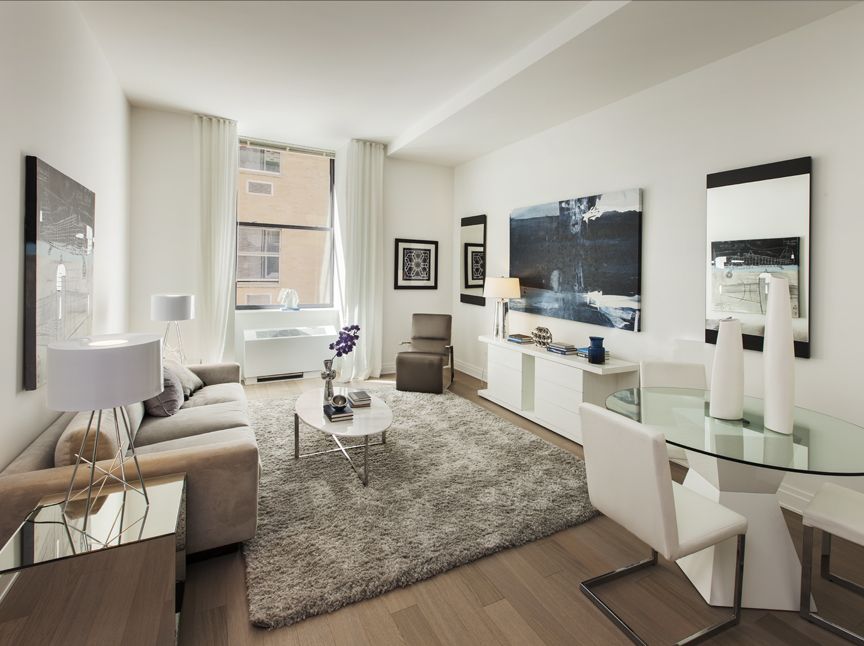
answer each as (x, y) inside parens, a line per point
(339, 402)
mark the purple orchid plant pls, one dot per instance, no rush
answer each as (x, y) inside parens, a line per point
(346, 341)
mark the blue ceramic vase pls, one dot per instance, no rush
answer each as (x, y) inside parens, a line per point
(596, 351)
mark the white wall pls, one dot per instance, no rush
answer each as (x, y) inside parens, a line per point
(165, 240)
(62, 103)
(418, 204)
(796, 95)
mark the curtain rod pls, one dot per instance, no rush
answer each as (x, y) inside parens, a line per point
(264, 143)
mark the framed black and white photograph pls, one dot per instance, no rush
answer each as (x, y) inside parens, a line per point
(475, 265)
(416, 264)
(59, 220)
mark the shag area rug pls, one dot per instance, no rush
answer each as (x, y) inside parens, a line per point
(453, 483)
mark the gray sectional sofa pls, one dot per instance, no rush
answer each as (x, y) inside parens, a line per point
(209, 439)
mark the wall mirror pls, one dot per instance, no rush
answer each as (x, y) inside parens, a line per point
(472, 266)
(758, 225)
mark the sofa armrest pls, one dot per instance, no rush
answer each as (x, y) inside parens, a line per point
(221, 489)
(217, 373)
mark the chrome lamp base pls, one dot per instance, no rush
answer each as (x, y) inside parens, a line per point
(171, 350)
(99, 477)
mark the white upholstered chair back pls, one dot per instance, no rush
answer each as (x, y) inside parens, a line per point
(628, 476)
(669, 374)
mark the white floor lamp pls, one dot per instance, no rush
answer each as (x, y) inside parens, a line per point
(102, 373)
(502, 289)
(173, 308)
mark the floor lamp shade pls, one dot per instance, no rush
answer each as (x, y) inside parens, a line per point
(100, 372)
(172, 307)
(727, 375)
(779, 358)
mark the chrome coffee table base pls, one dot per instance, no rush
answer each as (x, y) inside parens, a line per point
(364, 475)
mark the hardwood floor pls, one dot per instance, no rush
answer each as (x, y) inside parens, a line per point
(523, 596)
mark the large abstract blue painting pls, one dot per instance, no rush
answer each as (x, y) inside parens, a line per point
(580, 259)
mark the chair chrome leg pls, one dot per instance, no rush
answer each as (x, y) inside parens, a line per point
(695, 638)
(825, 572)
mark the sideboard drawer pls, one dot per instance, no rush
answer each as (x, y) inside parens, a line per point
(559, 419)
(504, 357)
(505, 384)
(569, 377)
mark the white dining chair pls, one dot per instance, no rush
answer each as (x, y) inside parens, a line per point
(672, 374)
(629, 481)
(837, 511)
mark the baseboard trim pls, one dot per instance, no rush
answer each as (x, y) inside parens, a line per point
(794, 498)
(470, 369)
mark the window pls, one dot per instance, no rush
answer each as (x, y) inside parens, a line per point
(285, 238)
(257, 253)
(259, 159)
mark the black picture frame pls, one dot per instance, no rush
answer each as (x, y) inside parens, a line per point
(470, 253)
(762, 172)
(473, 220)
(414, 253)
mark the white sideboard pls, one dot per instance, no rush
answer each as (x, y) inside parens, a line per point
(547, 388)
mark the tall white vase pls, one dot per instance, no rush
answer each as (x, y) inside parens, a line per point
(727, 375)
(779, 351)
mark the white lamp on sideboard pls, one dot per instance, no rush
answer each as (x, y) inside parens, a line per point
(173, 308)
(502, 289)
(101, 373)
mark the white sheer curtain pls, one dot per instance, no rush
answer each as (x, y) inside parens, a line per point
(360, 235)
(218, 176)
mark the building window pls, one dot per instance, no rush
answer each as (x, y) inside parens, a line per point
(286, 240)
(256, 158)
(257, 253)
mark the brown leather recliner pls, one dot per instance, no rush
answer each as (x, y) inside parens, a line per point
(421, 366)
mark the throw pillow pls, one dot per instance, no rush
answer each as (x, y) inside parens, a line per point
(188, 379)
(169, 400)
(70, 440)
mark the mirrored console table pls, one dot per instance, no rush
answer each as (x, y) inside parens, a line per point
(117, 581)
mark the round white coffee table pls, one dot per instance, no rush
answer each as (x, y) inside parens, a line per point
(367, 421)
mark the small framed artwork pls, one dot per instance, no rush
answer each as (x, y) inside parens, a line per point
(416, 264)
(475, 265)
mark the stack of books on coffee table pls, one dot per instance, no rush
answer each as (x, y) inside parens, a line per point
(338, 415)
(520, 338)
(557, 347)
(359, 399)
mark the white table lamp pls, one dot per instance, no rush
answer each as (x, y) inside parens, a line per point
(173, 308)
(103, 373)
(502, 289)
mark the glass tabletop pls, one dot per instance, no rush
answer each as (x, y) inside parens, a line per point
(820, 444)
(117, 518)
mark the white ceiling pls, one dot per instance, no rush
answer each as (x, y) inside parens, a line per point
(311, 73)
(438, 81)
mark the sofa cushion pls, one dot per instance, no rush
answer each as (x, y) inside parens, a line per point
(188, 379)
(205, 439)
(192, 421)
(216, 394)
(70, 440)
(170, 399)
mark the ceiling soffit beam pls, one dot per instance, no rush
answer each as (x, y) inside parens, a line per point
(583, 19)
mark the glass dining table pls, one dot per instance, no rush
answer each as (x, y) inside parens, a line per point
(741, 464)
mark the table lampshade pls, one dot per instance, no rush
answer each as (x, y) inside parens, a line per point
(100, 372)
(501, 287)
(172, 307)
